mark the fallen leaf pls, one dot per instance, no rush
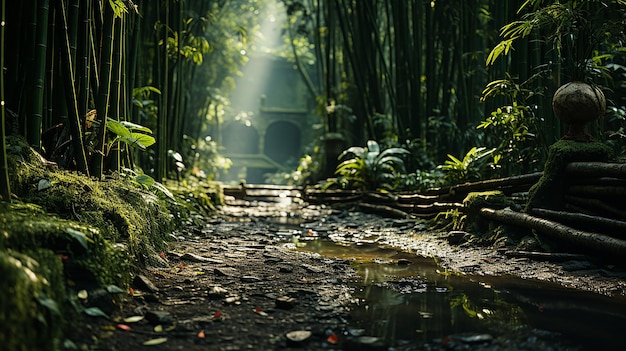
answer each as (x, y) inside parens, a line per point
(133, 319)
(162, 255)
(332, 338)
(95, 312)
(114, 289)
(158, 328)
(180, 265)
(259, 312)
(157, 341)
(131, 291)
(123, 327)
(201, 334)
(217, 314)
(83, 294)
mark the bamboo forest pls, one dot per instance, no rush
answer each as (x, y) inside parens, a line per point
(312, 175)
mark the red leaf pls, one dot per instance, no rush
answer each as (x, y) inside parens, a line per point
(217, 314)
(131, 291)
(332, 338)
(180, 265)
(123, 327)
(162, 254)
(201, 334)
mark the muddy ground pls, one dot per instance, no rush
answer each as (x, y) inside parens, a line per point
(239, 283)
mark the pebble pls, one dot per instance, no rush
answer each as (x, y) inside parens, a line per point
(159, 317)
(143, 283)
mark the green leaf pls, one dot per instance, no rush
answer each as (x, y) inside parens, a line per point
(164, 190)
(117, 128)
(78, 236)
(144, 179)
(95, 312)
(136, 127)
(50, 304)
(114, 289)
(157, 341)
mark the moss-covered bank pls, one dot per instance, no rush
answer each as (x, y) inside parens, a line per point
(548, 192)
(64, 232)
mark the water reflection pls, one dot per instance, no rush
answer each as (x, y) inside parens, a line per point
(403, 298)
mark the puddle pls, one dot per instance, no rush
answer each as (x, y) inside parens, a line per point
(407, 300)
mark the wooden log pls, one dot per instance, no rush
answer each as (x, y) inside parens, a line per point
(598, 243)
(417, 199)
(596, 206)
(596, 169)
(497, 184)
(383, 210)
(437, 207)
(597, 190)
(612, 227)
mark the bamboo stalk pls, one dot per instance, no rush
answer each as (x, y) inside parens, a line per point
(5, 187)
(104, 89)
(33, 133)
(598, 243)
(70, 96)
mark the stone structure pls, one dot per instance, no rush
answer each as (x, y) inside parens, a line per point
(279, 107)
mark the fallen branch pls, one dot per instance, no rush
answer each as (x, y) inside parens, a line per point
(594, 241)
(496, 184)
(600, 223)
(383, 210)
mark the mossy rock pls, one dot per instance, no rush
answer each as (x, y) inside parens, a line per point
(548, 191)
(475, 201)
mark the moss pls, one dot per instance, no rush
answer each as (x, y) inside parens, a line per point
(26, 227)
(475, 201)
(33, 293)
(548, 191)
(73, 232)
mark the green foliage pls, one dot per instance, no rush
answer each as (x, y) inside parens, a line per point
(367, 168)
(131, 134)
(575, 29)
(513, 129)
(304, 174)
(472, 167)
(453, 219)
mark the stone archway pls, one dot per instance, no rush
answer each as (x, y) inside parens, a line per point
(283, 141)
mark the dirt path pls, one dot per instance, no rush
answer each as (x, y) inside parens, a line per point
(238, 284)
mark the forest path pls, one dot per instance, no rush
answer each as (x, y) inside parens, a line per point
(240, 283)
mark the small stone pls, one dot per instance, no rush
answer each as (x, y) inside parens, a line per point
(159, 317)
(216, 292)
(297, 337)
(285, 269)
(194, 258)
(250, 279)
(224, 272)
(143, 283)
(285, 302)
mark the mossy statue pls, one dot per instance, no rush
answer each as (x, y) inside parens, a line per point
(576, 104)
